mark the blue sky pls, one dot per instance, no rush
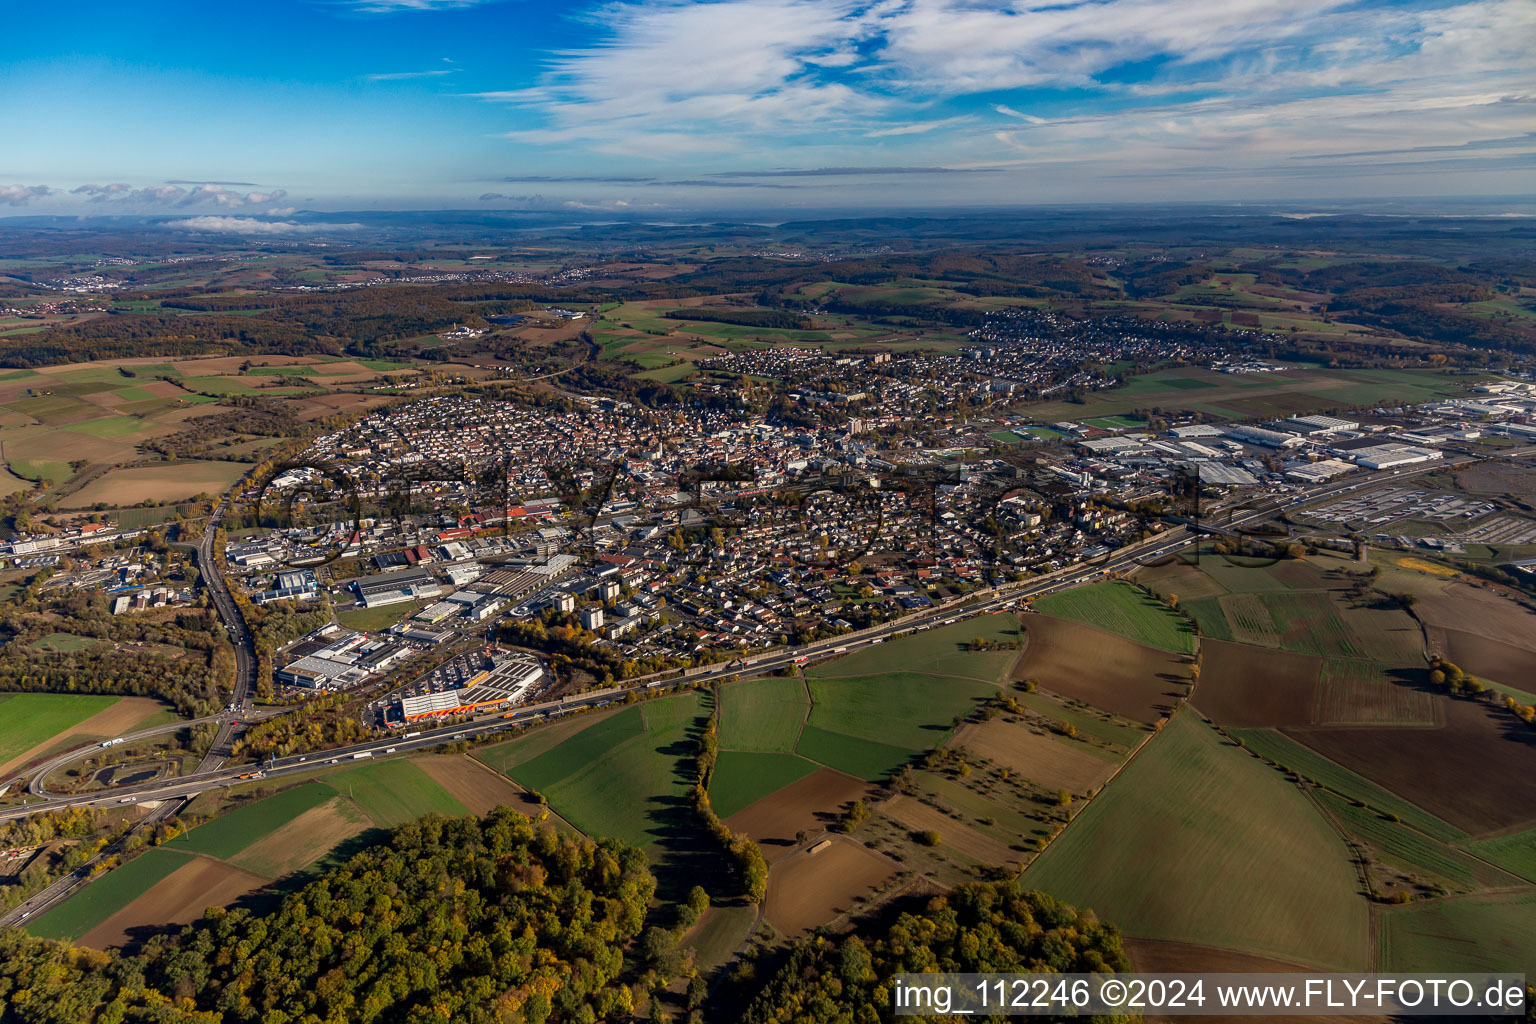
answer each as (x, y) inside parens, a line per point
(654, 106)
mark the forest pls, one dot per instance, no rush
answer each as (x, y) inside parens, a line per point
(976, 928)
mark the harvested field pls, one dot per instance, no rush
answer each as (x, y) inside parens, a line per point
(1477, 771)
(1497, 660)
(1361, 693)
(171, 482)
(1245, 685)
(178, 899)
(918, 817)
(1127, 678)
(303, 840)
(1473, 609)
(810, 804)
(809, 889)
(1036, 755)
(1197, 842)
(474, 785)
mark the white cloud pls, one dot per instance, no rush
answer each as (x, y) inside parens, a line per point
(399, 6)
(1230, 82)
(252, 226)
(400, 76)
(21, 195)
(175, 195)
(1008, 111)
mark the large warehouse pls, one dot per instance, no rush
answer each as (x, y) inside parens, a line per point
(503, 685)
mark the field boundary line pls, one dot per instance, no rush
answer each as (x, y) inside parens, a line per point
(548, 807)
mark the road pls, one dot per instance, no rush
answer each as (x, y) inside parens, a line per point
(239, 636)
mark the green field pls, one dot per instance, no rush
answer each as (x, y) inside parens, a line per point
(1492, 932)
(940, 651)
(394, 792)
(626, 776)
(906, 709)
(503, 757)
(64, 643)
(224, 837)
(1303, 760)
(30, 719)
(374, 620)
(762, 714)
(742, 777)
(1121, 609)
(1516, 853)
(1195, 842)
(1113, 423)
(1400, 845)
(1299, 389)
(864, 759)
(105, 896)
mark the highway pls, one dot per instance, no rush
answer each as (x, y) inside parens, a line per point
(239, 636)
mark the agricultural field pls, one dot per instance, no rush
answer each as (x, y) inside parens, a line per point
(1129, 679)
(941, 651)
(34, 724)
(1195, 842)
(812, 886)
(763, 714)
(625, 776)
(1296, 390)
(1484, 763)
(1125, 611)
(1483, 932)
(1033, 752)
(1241, 685)
(64, 424)
(743, 777)
(175, 481)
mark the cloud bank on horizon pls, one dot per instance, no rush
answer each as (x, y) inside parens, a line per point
(651, 104)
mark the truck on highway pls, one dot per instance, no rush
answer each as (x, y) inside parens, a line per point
(362, 754)
(412, 735)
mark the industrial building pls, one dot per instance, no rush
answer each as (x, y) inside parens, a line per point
(501, 686)
(1389, 456)
(396, 587)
